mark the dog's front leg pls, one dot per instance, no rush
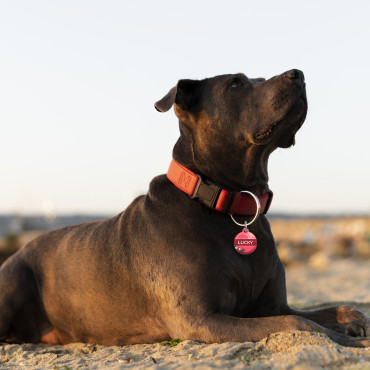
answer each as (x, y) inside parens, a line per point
(341, 319)
(217, 328)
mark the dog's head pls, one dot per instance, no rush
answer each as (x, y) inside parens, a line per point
(229, 115)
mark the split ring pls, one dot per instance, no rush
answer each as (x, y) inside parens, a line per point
(257, 213)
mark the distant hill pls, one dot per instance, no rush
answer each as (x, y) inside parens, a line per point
(17, 223)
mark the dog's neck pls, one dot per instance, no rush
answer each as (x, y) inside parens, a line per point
(238, 169)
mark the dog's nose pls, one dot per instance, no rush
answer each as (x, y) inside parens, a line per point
(295, 74)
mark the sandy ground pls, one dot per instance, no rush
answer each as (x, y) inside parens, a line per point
(345, 281)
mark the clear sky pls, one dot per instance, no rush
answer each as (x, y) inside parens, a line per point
(78, 80)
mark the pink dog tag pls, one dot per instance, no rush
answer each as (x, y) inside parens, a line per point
(245, 242)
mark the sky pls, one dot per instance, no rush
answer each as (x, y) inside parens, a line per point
(78, 80)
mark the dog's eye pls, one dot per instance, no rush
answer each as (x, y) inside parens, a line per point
(236, 82)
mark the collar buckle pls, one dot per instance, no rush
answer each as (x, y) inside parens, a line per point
(207, 193)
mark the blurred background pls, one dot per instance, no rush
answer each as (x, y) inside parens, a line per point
(80, 137)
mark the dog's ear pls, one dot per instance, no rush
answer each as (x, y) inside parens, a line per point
(167, 101)
(184, 94)
(187, 95)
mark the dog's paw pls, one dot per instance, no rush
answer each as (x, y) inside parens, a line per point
(345, 340)
(353, 322)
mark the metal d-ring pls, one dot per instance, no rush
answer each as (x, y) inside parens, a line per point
(257, 213)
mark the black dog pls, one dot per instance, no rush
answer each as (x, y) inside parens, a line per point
(166, 267)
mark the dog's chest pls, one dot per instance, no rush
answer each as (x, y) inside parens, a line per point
(245, 279)
(235, 282)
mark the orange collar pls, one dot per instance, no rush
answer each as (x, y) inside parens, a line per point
(213, 195)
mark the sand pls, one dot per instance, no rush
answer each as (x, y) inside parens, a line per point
(346, 281)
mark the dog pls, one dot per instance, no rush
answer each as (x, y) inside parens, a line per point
(167, 267)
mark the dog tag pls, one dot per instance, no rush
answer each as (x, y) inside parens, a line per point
(245, 242)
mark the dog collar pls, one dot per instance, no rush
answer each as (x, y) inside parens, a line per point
(214, 196)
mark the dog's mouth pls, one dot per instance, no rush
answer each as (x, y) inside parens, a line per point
(266, 132)
(287, 127)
